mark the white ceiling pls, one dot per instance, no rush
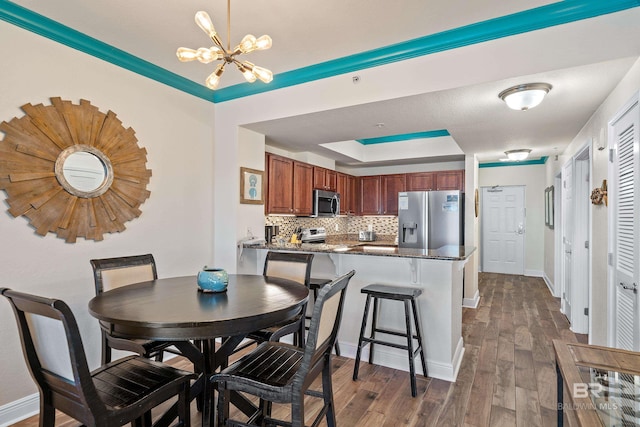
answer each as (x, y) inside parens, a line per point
(582, 60)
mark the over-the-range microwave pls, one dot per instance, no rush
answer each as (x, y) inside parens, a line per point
(325, 203)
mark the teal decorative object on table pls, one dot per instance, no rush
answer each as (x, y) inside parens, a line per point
(213, 279)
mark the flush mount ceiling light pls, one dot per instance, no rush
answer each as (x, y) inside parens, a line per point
(205, 55)
(517, 155)
(526, 96)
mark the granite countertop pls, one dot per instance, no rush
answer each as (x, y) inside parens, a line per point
(376, 248)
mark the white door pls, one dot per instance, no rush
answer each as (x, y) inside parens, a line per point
(503, 230)
(581, 256)
(567, 236)
(623, 139)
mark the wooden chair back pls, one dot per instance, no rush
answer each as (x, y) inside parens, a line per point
(296, 267)
(111, 273)
(53, 350)
(325, 323)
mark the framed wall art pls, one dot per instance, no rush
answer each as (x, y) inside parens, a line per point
(251, 186)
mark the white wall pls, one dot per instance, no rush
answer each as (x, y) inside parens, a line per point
(176, 222)
(533, 178)
(595, 130)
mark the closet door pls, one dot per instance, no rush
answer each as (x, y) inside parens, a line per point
(623, 134)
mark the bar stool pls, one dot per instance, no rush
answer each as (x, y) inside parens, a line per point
(314, 285)
(397, 293)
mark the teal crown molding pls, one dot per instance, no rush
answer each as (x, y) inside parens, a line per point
(404, 137)
(559, 13)
(541, 161)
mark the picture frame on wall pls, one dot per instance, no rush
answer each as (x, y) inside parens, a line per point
(251, 186)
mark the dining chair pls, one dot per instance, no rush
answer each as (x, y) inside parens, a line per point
(114, 394)
(112, 273)
(277, 372)
(291, 266)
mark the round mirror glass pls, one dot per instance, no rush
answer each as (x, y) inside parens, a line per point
(84, 171)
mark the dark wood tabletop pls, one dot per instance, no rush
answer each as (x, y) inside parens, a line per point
(174, 309)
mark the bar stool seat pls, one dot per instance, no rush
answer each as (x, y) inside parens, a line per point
(315, 284)
(408, 296)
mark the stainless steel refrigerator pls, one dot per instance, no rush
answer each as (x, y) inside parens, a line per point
(430, 219)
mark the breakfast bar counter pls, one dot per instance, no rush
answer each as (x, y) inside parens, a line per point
(437, 272)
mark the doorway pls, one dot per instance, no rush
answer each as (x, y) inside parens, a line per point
(503, 229)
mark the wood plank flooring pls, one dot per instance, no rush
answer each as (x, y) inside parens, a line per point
(507, 377)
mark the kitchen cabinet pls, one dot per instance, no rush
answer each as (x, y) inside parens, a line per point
(421, 181)
(289, 186)
(352, 201)
(302, 188)
(324, 179)
(390, 186)
(369, 200)
(450, 180)
(439, 180)
(348, 190)
(279, 184)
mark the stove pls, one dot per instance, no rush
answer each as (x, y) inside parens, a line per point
(313, 235)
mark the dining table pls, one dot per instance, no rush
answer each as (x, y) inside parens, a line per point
(175, 309)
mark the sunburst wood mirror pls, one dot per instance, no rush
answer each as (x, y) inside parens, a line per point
(72, 170)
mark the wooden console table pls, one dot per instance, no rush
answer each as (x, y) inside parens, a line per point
(597, 386)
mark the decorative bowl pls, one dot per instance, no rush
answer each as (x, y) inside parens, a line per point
(213, 279)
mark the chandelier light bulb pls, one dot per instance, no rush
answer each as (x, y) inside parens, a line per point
(213, 80)
(246, 72)
(247, 44)
(263, 74)
(203, 21)
(185, 54)
(263, 42)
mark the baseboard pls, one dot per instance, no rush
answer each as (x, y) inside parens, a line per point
(534, 273)
(442, 371)
(19, 409)
(549, 284)
(472, 302)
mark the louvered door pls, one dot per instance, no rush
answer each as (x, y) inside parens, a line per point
(624, 134)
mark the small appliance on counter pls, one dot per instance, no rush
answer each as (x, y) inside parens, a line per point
(313, 235)
(270, 232)
(366, 236)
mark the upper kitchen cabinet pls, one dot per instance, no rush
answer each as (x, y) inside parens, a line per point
(440, 180)
(391, 185)
(450, 180)
(302, 189)
(324, 179)
(421, 181)
(369, 200)
(348, 190)
(289, 186)
(279, 185)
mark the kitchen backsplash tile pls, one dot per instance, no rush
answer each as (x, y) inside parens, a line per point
(381, 225)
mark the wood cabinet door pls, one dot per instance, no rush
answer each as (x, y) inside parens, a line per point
(342, 187)
(391, 186)
(352, 201)
(450, 180)
(421, 181)
(370, 195)
(331, 180)
(280, 185)
(302, 188)
(318, 178)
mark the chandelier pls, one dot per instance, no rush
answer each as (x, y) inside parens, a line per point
(248, 44)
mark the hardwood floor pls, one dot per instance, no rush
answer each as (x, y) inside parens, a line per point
(507, 377)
